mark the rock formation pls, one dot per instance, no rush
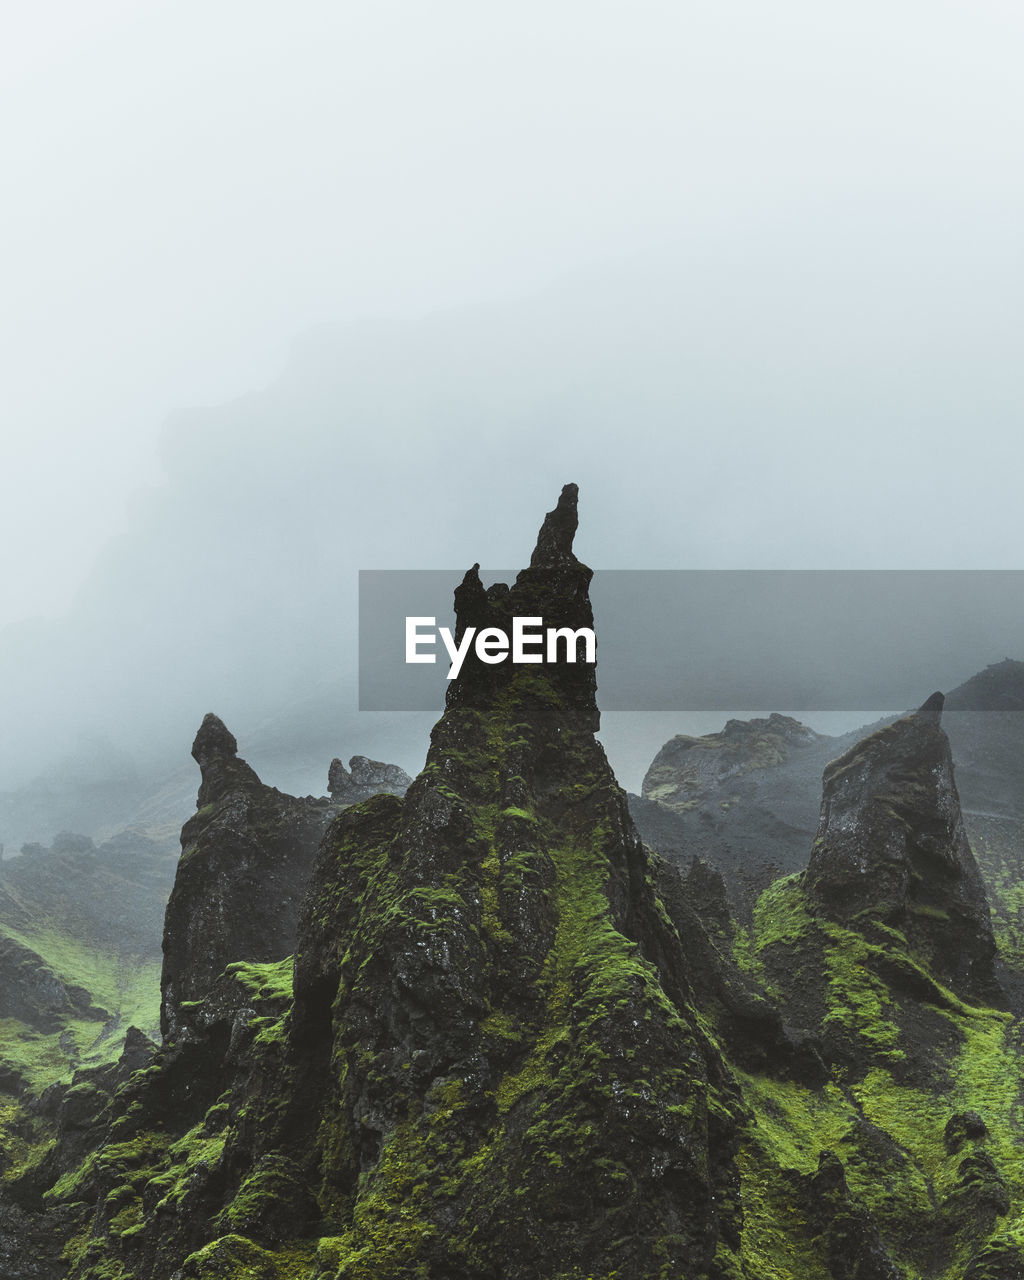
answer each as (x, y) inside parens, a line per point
(689, 771)
(479, 956)
(744, 800)
(32, 993)
(513, 1043)
(364, 778)
(891, 847)
(245, 862)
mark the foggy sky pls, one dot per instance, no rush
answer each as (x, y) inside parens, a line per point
(749, 274)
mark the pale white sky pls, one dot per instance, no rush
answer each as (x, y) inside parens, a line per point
(188, 186)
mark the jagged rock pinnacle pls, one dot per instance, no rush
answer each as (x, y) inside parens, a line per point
(891, 846)
(367, 778)
(213, 739)
(555, 588)
(245, 859)
(216, 752)
(338, 776)
(470, 599)
(514, 837)
(554, 542)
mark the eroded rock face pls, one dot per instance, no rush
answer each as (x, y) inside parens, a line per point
(490, 1062)
(245, 861)
(744, 799)
(690, 771)
(891, 846)
(364, 778)
(481, 956)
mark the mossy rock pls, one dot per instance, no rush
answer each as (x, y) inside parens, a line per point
(274, 1202)
(231, 1257)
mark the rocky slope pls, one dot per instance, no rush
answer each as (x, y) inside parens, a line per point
(79, 952)
(80, 955)
(512, 1044)
(746, 799)
(245, 862)
(457, 1086)
(891, 848)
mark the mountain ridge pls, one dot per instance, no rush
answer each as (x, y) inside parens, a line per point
(513, 1042)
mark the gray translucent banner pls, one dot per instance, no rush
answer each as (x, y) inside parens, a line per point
(731, 640)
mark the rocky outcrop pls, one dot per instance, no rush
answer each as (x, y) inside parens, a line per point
(688, 772)
(32, 993)
(512, 1042)
(872, 954)
(245, 861)
(891, 847)
(479, 956)
(759, 823)
(491, 1062)
(365, 778)
(744, 800)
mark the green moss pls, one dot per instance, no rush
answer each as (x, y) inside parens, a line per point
(126, 986)
(230, 1257)
(781, 914)
(129, 1164)
(1001, 1256)
(24, 1138)
(523, 815)
(391, 1224)
(989, 1076)
(884, 1114)
(744, 951)
(859, 1002)
(270, 981)
(275, 1189)
(500, 1025)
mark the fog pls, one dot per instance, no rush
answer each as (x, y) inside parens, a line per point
(294, 293)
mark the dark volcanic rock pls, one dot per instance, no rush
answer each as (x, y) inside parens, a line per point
(31, 1246)
(493, 1065)
(245, 862)
(479, 955)
(744, 800)
(512, 1043)
(750, 806)
(891, 846)
(853, 1250)
(961, 1127)
(80, 1115)
(365, 778)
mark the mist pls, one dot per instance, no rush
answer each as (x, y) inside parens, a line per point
(292, 296)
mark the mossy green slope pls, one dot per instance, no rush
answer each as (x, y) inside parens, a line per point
(920, 1123)
(881, 952)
